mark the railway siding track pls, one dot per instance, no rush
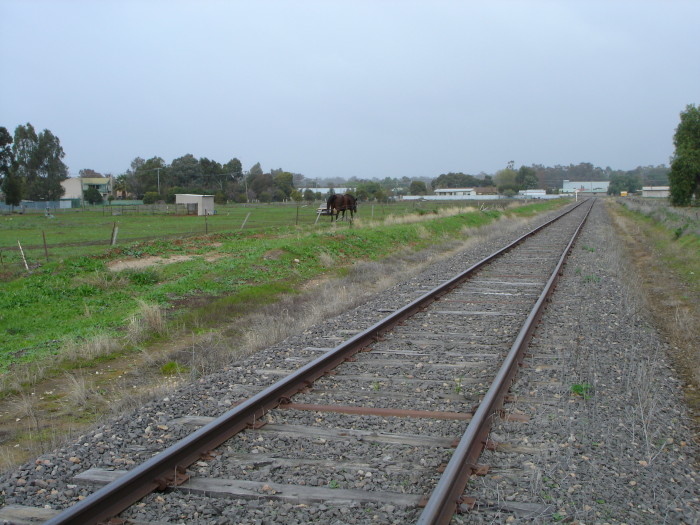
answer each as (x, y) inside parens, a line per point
(318, 388)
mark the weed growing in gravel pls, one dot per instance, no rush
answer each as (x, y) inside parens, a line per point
(582, 389)
(375, 386)
(588, 248)
(173, 368)
(591, 279)
(333, 484)
(458, 385)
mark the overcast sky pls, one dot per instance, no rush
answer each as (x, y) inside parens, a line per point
(352, 88)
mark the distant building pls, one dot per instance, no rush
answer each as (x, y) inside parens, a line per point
(532, 194)
(196, 204)
(656, 191)
(592, 187)
(75, 187)
(455, 192)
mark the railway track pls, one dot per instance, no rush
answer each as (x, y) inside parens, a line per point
(410, 400)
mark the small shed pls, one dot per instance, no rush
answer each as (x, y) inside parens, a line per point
(656, 191)
(196, 204)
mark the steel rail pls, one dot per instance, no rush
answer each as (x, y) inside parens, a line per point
(165, 468)
(447, 495)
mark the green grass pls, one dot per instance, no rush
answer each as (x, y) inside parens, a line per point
(77, 297)
(678, 247)
(89, 230)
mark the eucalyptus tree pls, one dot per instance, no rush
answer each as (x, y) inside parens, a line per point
(6, 156)
(10, 184)
(39, 163)
(684, 178)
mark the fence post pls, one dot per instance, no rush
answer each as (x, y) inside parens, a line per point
(23, 257)
(115, 230)
(46, 250)
(245, 220)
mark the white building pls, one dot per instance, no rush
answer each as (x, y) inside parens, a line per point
(201, 204)
(656, 191)
(75, 187)
(455, 192)
(532, 194)
(595, 186)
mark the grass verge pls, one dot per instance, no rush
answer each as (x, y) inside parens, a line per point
(174, 322)
(669, 267)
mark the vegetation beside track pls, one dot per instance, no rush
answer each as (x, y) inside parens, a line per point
(663, 243)
(90, 339)
(78, 298)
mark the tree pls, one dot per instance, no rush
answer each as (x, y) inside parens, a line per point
(120, 184)
(506, 181)
(456, 180)
(417, 187)
(684, 178)
(234, 169)
(256, 170)
(284, 181)
(52, 169)
(38, 163)
(626, 181)
(24, 149)
(87, 173)
(148, 174)
(12, 188)
(6, 156)
(93, 195)
(527, 178)
(10, 185)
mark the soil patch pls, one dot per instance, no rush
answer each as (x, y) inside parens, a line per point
(153, 260)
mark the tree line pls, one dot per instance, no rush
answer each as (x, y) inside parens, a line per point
(31, 167)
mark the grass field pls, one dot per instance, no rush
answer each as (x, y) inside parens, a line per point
(75, 297)
(88, 231)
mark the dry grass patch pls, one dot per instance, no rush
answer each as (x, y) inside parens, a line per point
(672, 305)
(149, 320)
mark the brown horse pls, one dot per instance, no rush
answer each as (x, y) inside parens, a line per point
(338, 203)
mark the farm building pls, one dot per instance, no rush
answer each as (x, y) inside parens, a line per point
(455, 192)
(532, 194)
(656, 191)
(196, 204)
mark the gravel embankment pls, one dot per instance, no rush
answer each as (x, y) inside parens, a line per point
(621, 454)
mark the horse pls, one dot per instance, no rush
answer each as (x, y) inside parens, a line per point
(342, 203)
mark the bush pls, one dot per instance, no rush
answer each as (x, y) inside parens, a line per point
(151, 197)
